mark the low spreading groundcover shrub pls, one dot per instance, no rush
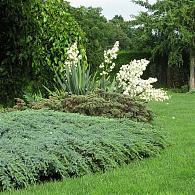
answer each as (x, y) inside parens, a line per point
(99, 103)
(39, 145)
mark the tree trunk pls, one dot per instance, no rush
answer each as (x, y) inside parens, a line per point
(169, 77)
(192, 69)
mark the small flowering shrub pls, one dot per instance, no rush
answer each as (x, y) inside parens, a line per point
(37, 146)
(128, 79)
(109, 55)
(107, 67)
(73, 57)
(76, 76)
(130, 82)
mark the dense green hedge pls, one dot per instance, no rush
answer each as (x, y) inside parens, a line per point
(34, 41)
(124, 57)
(38, 145)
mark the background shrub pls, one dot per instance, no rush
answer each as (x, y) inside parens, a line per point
(111, 105)
(41, 145)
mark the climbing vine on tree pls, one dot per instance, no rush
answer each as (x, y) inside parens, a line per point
(34, 39)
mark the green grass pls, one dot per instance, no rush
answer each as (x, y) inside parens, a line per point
(173, 172)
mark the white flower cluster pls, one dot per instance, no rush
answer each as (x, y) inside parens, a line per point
(130, 81)
(109, 55)
(73, 56)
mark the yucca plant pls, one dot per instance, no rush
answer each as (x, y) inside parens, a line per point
(77, 80)
(107, 82)
(32, 97)
(75, 75)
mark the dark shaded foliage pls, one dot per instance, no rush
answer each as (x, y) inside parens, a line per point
(34, 39)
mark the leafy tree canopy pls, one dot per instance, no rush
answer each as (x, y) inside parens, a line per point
(34, 39)
(172, 25)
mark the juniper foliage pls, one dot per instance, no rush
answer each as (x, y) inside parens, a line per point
(40, 145)
(99, 103)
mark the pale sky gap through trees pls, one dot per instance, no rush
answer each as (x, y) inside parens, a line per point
(112, 7)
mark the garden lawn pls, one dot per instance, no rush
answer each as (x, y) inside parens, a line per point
(173, 172)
